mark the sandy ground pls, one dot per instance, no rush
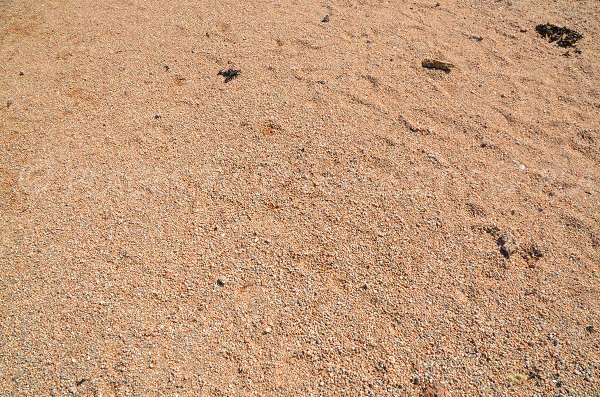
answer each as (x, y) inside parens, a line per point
(330, 222)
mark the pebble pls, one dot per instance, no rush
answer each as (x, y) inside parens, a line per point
(536, 252)
(268, 330)
(221, 281)
(508, 244)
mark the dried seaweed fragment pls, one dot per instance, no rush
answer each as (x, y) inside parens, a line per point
(229, 74)
(564, 37)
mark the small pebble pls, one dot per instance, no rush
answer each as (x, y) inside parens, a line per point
(325, 18)
(221, 281)
(508, 244)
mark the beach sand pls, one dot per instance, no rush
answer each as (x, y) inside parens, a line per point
(335, 219)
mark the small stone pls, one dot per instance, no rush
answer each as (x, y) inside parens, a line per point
(382, 366)
(325, 19)
(508, 244)
(221, 281)
(268, 330)
(21, 73)
(590, 328)
(536, 252)
(157, 116)
(438, 65)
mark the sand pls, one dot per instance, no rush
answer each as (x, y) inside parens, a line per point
(334, 220)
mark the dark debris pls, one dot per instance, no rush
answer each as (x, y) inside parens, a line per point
(564, 37)
(229, 74)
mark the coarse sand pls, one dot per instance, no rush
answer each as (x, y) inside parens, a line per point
(297, 198)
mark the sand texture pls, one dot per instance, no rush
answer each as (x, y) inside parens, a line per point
(297, 198)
